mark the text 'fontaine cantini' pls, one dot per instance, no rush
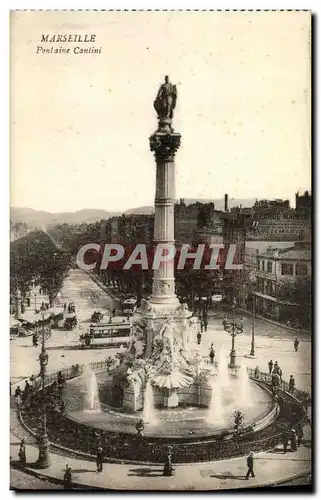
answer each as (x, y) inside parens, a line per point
(68, 38)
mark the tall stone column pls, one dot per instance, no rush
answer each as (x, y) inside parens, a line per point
(164, 143)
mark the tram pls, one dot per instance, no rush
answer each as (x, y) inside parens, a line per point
(106, 335)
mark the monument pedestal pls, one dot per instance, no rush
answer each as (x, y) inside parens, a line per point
(171, 399)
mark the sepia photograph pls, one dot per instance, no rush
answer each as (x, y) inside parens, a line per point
(160, 250)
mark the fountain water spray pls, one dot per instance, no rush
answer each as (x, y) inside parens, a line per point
(216, 408)
(244, 384)
(92, 402)
(223, 372)
(149, 415)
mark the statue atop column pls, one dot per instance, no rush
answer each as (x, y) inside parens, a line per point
(165, 101)
(165, 142)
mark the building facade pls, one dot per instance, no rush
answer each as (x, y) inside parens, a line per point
(282, 282)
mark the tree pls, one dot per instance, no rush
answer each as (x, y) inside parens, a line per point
(295, 299)
(36, 258)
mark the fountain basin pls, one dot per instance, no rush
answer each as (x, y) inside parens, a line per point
(190, 420)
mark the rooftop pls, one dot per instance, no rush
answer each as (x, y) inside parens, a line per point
(299, 251)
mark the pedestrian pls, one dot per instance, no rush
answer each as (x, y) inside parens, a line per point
(212, 354)
(199, 338)
(291, 384)
(285, 441)
(22, 453)
(205, 324)
(67, 478)
(250, 464)
(299, 433)
(18, 395)
(202, 326)
(280, 374)
(33, 382)
(270, 364)
(168, 468)
(114, 312)
(296, 344)
(100, 459)
(293, 440)
(26, 391)
(276, 368)
(256, 372)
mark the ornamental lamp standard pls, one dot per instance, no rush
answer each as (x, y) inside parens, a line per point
(234, 329)
(43, 444)
(252, 353)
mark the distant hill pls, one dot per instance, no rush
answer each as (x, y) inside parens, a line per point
(218, 202)
(39, 218)
(140, 210)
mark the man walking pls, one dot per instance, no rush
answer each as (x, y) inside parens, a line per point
(22, 453)
(270, 364)
(285, 441)
(291, 384)
(212, 354)
(299, 434)
(296, 344)
(199, 338)
(250, 464)
(67, 478)
(100, 459)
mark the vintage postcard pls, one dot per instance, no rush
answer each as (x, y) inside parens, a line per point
(160, 250)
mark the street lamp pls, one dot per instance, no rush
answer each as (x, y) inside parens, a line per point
(252, 353)
(44, 458)
(234, 329)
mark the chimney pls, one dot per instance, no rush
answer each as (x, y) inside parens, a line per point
(226, 203)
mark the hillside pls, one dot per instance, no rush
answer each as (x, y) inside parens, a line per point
(39, 218)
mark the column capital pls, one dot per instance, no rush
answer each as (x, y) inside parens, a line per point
(164, 145)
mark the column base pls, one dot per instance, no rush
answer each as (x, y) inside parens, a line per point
(163, 299)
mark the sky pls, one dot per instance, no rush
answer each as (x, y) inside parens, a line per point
(80, 123)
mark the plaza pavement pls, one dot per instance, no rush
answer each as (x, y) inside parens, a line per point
(269, 467)
(63, 349)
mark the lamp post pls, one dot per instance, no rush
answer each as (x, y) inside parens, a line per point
(234, 329)
(252, 352)
(44, 458)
